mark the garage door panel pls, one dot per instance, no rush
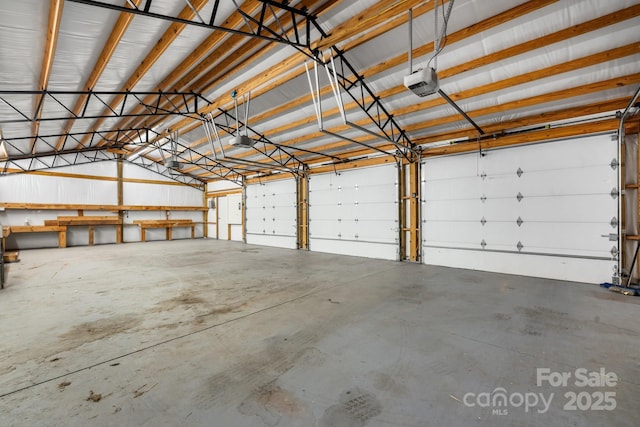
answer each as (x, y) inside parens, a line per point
(500, 186)
(454, 234)
(460, 188)
(355, 212)
(585, 208)
(439, 169)
(502, 209)
(271, 214)
(593, 180)
(454, 210)
(540, 201)
(561, 236)
(579, 153)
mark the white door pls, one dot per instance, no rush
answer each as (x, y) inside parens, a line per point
(355, 212)
(537, 210)
(234, 216)
(223, 218)
(271, 214)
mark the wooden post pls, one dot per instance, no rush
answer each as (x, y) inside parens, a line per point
(402, 210)
(217, 217)
(414, 211)
(119, 229)
(62, 237)
(303, 211)
(91, 235)
(205, 217)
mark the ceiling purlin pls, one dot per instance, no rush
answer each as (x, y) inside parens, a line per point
(55, 16)
(119, 29)
(158, 49)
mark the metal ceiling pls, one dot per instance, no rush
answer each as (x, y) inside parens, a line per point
(94, 80)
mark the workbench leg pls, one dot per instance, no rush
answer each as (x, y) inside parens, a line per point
(118, 234)
(62, 238)
(143, 234)
(169, 232)
(91, 235)
(193, 231)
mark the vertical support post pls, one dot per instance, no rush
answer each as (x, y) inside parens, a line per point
(634, 274)
(217, 218)
(622, 217)
(205, 215)
(62, 237)
(414, 214)
(119, 230)
(243, 213)
(302, 192)
(402, 212)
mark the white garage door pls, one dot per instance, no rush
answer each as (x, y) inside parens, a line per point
(355, 212)
(538, 210)
(271, 214)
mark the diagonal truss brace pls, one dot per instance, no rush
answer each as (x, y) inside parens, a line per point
(280, 155)
(338, 68)
(186, 155)
(50, 140)
(270, 11)
(173, 103)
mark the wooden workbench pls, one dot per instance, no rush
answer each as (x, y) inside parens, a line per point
(168, 224)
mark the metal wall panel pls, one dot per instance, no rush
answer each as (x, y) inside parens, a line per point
(271, 214)
(539, 210)
(355, 212)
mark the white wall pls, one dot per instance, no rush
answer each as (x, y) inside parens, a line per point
(152, 194)
(34, 188)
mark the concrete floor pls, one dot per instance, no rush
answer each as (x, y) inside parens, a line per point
(217, 333)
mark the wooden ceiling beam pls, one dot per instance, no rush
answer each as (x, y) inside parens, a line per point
(470, 31)
(228, 62)
(258, 87)
(578, 63)
(368, 19)
(528, 137)
(223, 67)
(118, 31)
(157, 50)
(53, 29)
(174, 79)
(500, 128)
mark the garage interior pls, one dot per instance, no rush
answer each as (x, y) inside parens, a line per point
(319, 212)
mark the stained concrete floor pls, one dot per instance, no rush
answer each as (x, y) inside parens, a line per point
(216, 333)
